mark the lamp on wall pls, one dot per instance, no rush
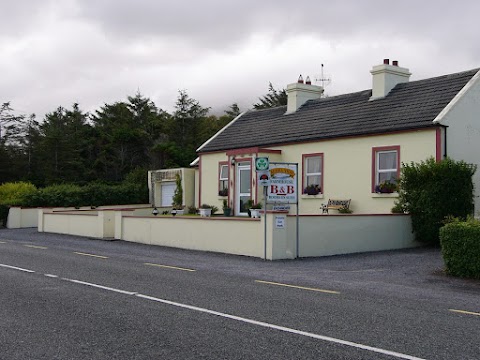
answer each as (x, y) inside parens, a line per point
(232, 161)
(155, 211)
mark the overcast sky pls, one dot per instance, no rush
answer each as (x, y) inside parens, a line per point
(58, 52)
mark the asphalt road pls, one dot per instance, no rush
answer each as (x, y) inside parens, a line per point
(64, 297)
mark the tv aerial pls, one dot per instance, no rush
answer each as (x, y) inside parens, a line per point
(323, 79)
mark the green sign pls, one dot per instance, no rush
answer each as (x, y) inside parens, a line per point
(262, 163)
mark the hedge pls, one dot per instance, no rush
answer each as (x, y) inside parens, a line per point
(68, 195)
(460, 242)
(13, 193)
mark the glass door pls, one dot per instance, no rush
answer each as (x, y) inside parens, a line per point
(243, 187)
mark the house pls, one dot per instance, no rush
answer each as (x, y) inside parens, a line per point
(347, 144)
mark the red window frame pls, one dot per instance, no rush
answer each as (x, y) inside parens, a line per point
(375, 151)
(220, 164)
(304, 168)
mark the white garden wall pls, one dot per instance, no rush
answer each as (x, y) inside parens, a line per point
(319, 235)
(22, 217)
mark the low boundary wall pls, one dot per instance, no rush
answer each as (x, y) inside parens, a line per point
(319, 235)
(22, 218)
(346, 234)
(225, 235)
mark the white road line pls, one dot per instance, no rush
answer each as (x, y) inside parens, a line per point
(51, 276)
(16, 268)
(100, 286)
(285, 329)
(238, 318)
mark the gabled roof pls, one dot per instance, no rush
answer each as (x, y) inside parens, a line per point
(411, 105)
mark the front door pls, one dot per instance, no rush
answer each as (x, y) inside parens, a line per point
(243, 187)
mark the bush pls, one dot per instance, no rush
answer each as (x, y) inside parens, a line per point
(460, 242)
(431, 191)
(95, 194)
(14, 193)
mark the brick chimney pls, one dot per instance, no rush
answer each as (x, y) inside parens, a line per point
(386, 76)
(298, 93)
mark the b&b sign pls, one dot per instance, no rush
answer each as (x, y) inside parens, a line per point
(283, 184)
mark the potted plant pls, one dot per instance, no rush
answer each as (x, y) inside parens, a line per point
(255, 210)
(312, 189)
(205, 210)
(227, 210)
(386, 187)
(223, 192)
(177, 203)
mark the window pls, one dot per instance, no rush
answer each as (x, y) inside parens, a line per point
(223, 179)
(386, 165)
(312, 174)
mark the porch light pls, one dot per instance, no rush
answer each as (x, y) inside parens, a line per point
(232, 161)
(155, 211)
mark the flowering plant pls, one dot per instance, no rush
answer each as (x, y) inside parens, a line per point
(312, 189)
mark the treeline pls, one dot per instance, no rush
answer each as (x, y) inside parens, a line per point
(122, 139)
(127, 137)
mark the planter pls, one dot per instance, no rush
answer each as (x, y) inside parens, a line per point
(255, 213)
(178, 212)
(227, 212)
(205, 212)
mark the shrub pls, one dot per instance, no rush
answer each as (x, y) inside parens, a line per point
(460, 242)
(95, 194)
(192, 210)
(431, 191)
(178, 194)
(14, 193)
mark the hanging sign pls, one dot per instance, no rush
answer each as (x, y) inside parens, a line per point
(262, 163)
(263, 178)
(283, 184)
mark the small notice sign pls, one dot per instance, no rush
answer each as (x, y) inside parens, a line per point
(263, 178)
(280, 222)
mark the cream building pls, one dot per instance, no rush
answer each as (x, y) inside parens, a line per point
(346, 145)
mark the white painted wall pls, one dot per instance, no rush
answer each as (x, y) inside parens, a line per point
(325, 235)
(232, 236)
(71, 223)
(319, 235)
(462, 117)
(22, 218)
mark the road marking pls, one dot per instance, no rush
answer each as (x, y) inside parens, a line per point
(92, 255)
(36, 247)
(169, 267)
(253, 322)
(51, 276)
(100, 286)
(282, 328)
(16, 268)
(236, 318)
(464, 312)
(3, 242)
(298, 287)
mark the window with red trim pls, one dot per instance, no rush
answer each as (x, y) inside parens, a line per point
(223, 179)
(312, 174)
(386, 165)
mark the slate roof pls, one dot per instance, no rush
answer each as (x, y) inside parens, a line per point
(411, 105)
